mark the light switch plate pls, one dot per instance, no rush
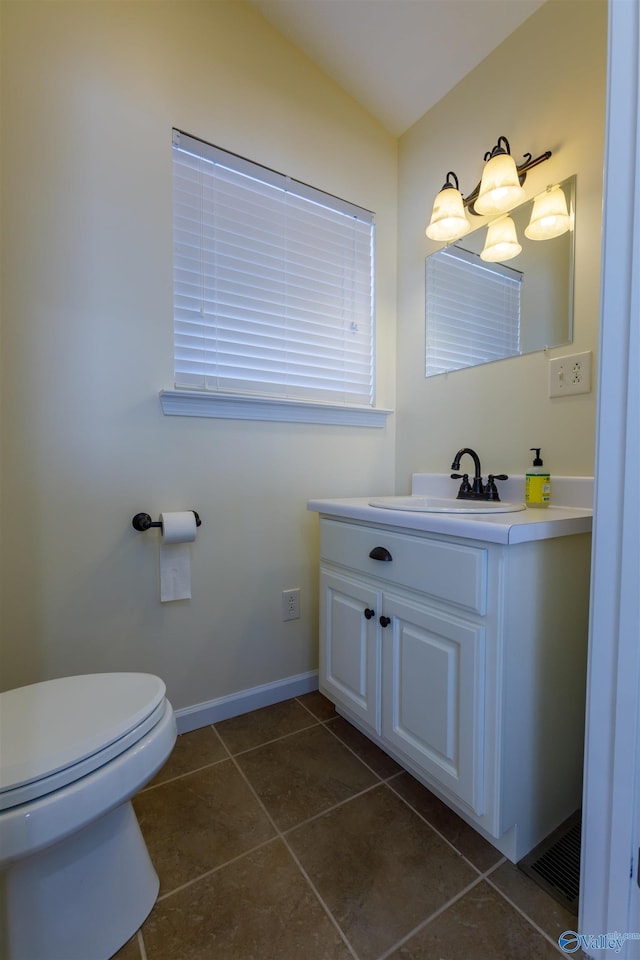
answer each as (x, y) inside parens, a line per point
(570, 375)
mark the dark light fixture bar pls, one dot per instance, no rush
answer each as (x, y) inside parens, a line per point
(500, 190)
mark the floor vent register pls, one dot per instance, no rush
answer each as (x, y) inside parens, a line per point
(555, 863)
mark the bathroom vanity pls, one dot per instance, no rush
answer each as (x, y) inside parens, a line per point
(458, 644)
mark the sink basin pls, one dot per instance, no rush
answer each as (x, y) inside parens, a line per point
(445, 505)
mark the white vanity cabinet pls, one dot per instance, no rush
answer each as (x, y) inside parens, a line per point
(350, 646)
(465, 660)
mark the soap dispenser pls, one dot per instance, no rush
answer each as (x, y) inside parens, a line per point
(537, 485)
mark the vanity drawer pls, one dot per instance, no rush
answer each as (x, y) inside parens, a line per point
(452, 572)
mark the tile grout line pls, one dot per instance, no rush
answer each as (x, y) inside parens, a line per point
(187, 773)
(320, 899)
(220, 866)
(436, 913)
(303, 872)
(228, 756)
(326, 723)
(439, 834)
(141, 946)
(310, 711)
(221, 741)
(267, 743)
(530, 921)
(228, 753)
(204, 766)
(483, 875)
(336, 806)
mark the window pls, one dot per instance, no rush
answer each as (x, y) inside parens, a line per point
(273, 283)
(472, 310)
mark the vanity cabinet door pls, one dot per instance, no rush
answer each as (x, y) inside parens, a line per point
(350, 646)
(433, 695)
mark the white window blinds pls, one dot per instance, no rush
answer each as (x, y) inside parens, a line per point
(472, 310)
(273, 282)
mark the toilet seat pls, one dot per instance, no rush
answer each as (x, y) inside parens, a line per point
(58, 731)
(76, 880)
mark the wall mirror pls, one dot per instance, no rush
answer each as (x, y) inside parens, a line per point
(478, 312)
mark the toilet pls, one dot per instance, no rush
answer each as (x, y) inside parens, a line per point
(76, 880)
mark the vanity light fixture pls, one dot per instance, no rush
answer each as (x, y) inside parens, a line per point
(549, 217)
(499, 190)
(502, 241)
(448, 219)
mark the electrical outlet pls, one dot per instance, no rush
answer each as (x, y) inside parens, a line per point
(570, 375)
(291, 604)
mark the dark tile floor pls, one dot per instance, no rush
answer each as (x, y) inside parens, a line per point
(284, 834)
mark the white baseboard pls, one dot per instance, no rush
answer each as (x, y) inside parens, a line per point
(202, 714)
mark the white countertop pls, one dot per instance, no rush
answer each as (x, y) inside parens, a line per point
(556, 520)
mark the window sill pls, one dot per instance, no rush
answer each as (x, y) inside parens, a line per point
(186, 403)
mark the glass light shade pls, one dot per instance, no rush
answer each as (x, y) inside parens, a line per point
(549, 217)
(502, 241)
(500, 188)
(448, 219)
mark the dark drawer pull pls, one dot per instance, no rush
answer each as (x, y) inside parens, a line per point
(385, 621)
(369, 613)
(380, 553)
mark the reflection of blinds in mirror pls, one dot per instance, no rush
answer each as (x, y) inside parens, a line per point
(473, 311)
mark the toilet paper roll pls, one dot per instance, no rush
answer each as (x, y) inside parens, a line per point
(178, 531)
(178, 527)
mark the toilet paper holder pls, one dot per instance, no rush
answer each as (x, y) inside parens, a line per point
(142, 521)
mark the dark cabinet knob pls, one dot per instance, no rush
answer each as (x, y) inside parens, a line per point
(380, 553)
(385, 621)
(369, 613)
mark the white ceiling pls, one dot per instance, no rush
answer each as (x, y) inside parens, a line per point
(396, 57)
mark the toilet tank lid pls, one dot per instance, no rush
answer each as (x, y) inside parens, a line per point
(48, 726)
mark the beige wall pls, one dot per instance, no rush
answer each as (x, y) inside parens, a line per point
(90, 92)
(544, 89)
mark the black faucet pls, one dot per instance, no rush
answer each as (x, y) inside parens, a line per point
(477, 490)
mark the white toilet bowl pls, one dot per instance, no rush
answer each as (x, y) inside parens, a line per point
(76, 880)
